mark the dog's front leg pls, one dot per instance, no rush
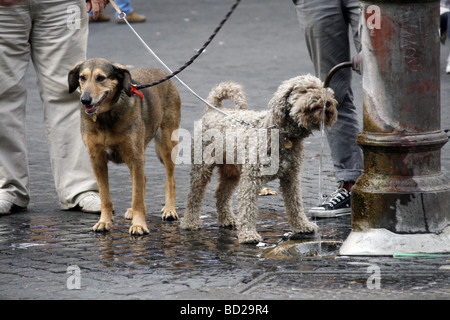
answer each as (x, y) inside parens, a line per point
(290, 188)
(100, 168)
(138, 224)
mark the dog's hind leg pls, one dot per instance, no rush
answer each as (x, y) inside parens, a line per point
(166, 148)
(249, 187)
(228, 180)
(290, 188)
(200, 176)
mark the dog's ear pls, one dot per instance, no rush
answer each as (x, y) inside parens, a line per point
(279, 104)
(73, 77)
(124, 76)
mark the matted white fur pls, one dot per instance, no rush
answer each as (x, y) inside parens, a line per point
(295, 110)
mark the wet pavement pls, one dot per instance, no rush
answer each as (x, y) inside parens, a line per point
(46, 253)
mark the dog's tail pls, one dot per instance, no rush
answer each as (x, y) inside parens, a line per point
(227, 90)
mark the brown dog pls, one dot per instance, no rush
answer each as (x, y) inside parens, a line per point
(117, 125)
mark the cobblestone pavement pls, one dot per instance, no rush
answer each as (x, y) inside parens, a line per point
(46, 253)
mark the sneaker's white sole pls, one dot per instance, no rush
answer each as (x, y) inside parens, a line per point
(322, 213)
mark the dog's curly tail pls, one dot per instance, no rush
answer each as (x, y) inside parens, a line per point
(228, 90)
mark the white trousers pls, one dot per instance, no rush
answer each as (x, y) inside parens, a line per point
(53, 33)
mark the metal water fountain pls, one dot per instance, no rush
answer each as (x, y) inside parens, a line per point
(401, 203)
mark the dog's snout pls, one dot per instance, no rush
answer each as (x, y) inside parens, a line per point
(86, 99)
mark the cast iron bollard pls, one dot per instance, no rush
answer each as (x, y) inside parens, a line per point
(401, 203)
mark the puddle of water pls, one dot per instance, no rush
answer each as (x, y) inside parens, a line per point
(299, 249)
(59, 239)
(26, 245)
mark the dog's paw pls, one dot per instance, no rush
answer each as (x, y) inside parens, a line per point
(249, 237)
(102, 226)
(228, 222)
(169, 214)
(305, 228)
(129, 214)
(309, 227)
(189, 224)
(138, 230)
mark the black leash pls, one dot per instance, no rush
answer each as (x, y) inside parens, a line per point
(134, 88)
(199, 52)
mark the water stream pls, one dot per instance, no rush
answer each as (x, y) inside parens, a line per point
(322, 148)
(322, 144)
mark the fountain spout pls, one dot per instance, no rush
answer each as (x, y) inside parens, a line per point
(355, 64)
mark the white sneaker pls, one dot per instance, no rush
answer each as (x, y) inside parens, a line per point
(7, 207)
(448, 68)
(90, 203)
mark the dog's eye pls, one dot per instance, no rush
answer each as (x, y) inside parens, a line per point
(100, 78)
(82, 78)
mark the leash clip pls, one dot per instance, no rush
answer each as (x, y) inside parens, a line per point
(120, 14)
(136, 91)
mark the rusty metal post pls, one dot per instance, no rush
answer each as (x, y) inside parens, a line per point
(401, 204)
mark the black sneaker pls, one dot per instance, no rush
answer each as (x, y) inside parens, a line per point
(337, 204)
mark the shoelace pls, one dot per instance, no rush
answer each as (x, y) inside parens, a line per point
(337, 196)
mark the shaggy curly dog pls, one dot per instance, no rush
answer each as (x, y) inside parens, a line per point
(295, 110)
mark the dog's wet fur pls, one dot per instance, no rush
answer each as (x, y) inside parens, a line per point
(117, 125)
(295, 110)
